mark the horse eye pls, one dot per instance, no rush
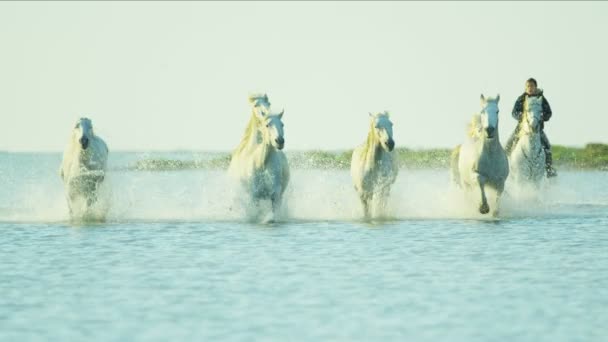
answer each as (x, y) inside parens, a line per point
(267, 125)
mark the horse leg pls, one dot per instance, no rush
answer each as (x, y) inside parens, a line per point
(499, 190)
(92, 196)
(276, 200)
(365, 203)
(70, 208)
(74, 204)
(93, 188)
(484, 208)
(252, 207)
(382, 200)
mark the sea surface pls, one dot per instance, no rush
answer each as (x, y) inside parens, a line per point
(177, 260)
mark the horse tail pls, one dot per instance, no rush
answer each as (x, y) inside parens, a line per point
(454, 157)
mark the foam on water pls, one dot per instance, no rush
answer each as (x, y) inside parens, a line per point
(203, 195)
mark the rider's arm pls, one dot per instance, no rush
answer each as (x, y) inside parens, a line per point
(546, 110)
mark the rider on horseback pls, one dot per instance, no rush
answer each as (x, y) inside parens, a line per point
(518, 109)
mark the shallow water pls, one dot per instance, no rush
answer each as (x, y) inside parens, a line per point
(178, 261)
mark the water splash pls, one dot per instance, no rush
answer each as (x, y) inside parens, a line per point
(313, 194)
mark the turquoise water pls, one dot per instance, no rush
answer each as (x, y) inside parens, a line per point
(178, 261)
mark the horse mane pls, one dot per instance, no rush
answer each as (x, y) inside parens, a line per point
(371, 143)
(249, 139)
(250, 130)
(474, 126)
(537, 94)
(535, 97)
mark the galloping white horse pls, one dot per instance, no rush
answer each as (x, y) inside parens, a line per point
(258, 162)
(527, 159)
(83, 170)
(481, 161)
(373, 166)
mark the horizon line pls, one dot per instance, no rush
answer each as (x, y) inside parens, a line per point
(179, 150)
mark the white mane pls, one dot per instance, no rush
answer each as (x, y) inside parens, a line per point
(474, 127)
(535, 102)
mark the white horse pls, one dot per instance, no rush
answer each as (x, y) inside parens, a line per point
(258, 162)
(481, 161)
(83, 171)
(527, 158)
(373, 166)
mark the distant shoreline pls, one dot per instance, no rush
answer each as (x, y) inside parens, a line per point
(593, 156)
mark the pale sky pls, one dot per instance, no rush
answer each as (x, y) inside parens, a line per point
(175, 76)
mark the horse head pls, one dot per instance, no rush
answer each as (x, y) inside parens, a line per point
(83, 132)
(489, 116)
(533, 112)
(259, 101)
(383, 129)
(271, 126)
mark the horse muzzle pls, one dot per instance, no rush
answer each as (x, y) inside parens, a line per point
(490, 131)
(84, 142)
(280, 143)
(390, 144)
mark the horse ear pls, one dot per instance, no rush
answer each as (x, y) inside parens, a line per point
(483, 98)
(497, 97)
(281, 114)
(371, 115)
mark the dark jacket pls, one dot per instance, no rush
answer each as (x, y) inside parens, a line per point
(518, 108)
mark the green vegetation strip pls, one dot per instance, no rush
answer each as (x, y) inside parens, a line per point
(592, 156)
